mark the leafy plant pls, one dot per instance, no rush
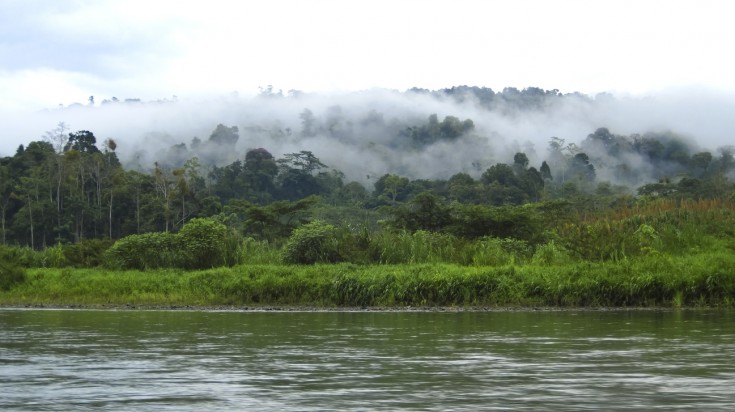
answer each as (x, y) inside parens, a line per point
(11, 272)
(311, 243)
(203, 243)
(550, 254)
(149, 250)
(87, 252)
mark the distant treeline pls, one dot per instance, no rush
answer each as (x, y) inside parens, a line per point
(67, 187)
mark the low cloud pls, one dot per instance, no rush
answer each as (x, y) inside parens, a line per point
(366, 134)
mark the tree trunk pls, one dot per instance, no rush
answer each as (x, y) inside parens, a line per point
(110, 217)
(30, 213)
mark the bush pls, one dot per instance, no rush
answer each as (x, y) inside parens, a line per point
(24, 256)
(311, 243)
(491, 251)
(87, 253)
(204, 243)
(11, 271)
(146, 251)
(53, 256)
(550, 254)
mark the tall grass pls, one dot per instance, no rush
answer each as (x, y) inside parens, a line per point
(258, 252)
(671, 227)
(706, 279)
(659, 253)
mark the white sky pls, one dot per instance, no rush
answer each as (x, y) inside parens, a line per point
(60, 52)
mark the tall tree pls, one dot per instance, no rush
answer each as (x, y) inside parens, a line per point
(165, 184)
(58, 139)
(6, 191)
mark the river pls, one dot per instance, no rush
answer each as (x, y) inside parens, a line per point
(126, 360)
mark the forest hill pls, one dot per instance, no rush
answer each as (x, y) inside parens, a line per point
(66, 188)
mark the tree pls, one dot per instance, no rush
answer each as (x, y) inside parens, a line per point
(451, 127)
(224, 136)
(82, 141)
(260, 171)
(501, 185)
(604, 141)
(726, 161)
(502, 174)
(351, 194)
(546, 171)
(275, 220)
(304, 161)
(582, 168)
(296, 179)
(308, 123)
(534, 182)
(701, 162)
(110, 171)
(228, 181)
(36, 208)
(475, 221)
(58, 139)
(138, 186)
(426, 211)
(463, 188)
(164, 184)
(391, 187)
(6, 192)
(649, 146)
(520, 163)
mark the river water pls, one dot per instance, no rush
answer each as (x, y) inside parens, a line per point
(52, 360)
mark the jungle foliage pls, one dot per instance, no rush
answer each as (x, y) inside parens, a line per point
(67, 203)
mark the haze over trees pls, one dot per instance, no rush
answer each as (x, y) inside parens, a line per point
(349, 164)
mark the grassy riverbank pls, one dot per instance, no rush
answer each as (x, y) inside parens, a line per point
(706, 279)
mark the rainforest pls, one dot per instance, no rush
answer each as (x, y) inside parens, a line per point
(461, 197)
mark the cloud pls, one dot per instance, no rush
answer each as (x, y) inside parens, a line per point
(61, 52)
(164, 48)
(364, 133)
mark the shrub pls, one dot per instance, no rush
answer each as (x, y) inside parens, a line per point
(491, 251)
(87, 253)
(11, 271)
(53, 256)
(550, 254)
(203, 243)
(311, 243)
(24, 256)
(149, 250)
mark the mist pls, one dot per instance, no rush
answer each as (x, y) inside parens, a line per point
(364, 134)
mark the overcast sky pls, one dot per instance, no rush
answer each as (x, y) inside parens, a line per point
(672, 57)
(58, 52)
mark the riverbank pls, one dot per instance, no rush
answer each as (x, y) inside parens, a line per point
(701, 280)
(310, 309)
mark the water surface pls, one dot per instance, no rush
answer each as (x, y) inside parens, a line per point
(302, 361)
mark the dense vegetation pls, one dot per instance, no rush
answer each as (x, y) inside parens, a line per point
(557, 233)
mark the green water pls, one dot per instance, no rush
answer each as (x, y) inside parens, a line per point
(301, 361)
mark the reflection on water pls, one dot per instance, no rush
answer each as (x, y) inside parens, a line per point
(301, 361)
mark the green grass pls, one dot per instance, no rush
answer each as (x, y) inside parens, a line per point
(706, 279)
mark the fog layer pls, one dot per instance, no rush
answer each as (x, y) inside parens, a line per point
(367, 134)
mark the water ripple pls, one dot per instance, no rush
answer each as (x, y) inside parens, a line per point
(91, 360)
